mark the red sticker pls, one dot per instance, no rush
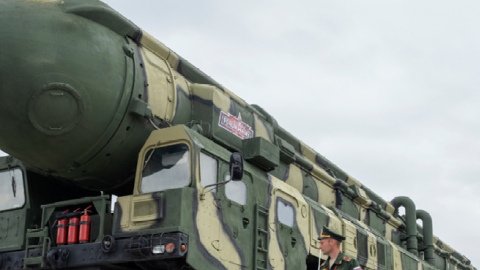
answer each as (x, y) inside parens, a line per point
(235, 125)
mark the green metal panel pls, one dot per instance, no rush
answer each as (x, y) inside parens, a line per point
(376, 222)
(310, 188)
(261, 152)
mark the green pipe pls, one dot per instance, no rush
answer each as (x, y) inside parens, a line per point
(411, 221)
(427, 234)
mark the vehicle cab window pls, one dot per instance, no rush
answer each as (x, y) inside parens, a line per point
(12, 194)
(236, 191)
(166, 167)
(208, 171)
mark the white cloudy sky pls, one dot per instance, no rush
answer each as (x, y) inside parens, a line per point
(387, 90)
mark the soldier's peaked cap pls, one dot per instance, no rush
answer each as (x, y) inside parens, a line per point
(330, 234)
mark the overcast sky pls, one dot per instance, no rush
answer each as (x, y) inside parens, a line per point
(387, 90)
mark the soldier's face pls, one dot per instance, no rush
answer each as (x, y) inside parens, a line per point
(326, 245)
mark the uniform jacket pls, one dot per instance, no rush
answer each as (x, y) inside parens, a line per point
(341, 263)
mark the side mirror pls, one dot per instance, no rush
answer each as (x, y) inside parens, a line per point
(236, 166)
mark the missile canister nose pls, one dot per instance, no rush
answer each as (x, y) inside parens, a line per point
(66, 82)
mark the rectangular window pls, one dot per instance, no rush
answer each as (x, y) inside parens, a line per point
(236, 191)
(285, 213)
(208, 171)
(12, 194)
(166, 167)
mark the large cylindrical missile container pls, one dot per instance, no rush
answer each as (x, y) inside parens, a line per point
(82, 87)
(69, 73)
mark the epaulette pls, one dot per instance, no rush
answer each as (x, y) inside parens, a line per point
(347, 259)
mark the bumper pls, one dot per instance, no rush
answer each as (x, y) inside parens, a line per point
(109, 251)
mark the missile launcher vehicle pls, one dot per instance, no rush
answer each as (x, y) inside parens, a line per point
(92, 105)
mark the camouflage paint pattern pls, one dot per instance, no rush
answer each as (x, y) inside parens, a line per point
(215, 232)
(132, 79)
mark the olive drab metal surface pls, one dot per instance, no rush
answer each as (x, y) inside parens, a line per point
(90, 102)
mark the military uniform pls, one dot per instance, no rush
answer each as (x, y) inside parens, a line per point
(341, 263)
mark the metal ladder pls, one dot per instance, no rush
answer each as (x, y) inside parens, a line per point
(45, 243)
(261, 240)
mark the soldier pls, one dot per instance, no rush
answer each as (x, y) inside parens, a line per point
(330, 245)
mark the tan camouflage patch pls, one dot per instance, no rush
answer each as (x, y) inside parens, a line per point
(435, 239)
(154, 45)
(125, 203)
(260, 129)
(159, 48)
(162, 92)
(397, 257)
(350, 246)
(210, 92)
(394, 222)
(372, 261)
(208, 223)
(389, 208)
(295, 177)
(326, 195)
(173, 60)
(323, 175)
(211, 233)
(447, 247)
(352, 181)
(362, 199)
(308, 153)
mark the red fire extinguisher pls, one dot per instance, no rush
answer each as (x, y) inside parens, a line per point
(73, 229)
(85, 226)
(62, 230)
